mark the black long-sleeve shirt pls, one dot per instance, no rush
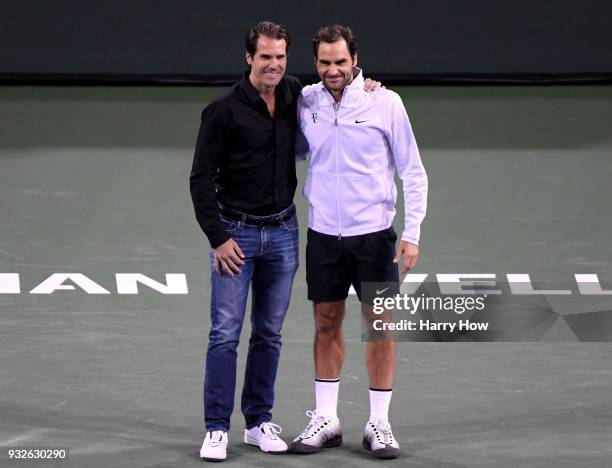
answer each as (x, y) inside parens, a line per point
(244, 158)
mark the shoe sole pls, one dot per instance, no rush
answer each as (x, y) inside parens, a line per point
(383, 454)
(216, 460)
(249, 441)
(335, 441)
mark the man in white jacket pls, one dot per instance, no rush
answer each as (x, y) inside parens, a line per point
(356, 141)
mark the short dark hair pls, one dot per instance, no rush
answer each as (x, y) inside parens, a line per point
(334, 33)
(265, 28)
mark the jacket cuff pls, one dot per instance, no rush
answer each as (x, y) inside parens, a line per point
(216, 238)
(409, 238)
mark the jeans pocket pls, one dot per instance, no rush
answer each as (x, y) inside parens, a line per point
(230, 225)
(291, 224)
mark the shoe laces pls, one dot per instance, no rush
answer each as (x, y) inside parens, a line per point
(271, 430)
(312, 425)
(216, 438)
(384, 429)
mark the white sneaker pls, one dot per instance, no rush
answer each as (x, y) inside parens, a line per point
(265, 436)
(321, 432)
(214, 447)
(378, 439)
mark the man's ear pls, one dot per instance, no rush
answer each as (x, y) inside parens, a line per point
(355, 60)
(249, 58)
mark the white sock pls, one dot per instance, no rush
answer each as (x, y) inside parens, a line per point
(379, 404)
(326, 392)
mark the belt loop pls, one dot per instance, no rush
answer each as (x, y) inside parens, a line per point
(244, 217)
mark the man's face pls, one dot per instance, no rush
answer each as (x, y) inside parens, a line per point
(335, 64)
(269, 62)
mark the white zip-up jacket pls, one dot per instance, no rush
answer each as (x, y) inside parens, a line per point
(355, 148)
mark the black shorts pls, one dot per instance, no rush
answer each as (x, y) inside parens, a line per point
(333, 264)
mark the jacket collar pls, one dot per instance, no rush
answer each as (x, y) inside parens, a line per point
(351, 93)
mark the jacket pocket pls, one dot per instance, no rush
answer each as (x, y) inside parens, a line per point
(363, 200)
(321, 190)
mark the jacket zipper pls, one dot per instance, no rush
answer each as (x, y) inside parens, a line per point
(336, 109)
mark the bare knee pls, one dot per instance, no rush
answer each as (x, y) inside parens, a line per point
(328, 317)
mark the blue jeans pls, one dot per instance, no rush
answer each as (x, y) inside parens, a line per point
(271, 260)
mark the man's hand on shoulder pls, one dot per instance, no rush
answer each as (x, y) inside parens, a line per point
(370, 85)
(410, 252)
(228, 258)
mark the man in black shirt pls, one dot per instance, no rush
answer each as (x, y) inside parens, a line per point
(242, 185)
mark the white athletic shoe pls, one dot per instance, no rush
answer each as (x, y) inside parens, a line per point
(378, 439)
(321, 432)
(265, 436)
(214, 447)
